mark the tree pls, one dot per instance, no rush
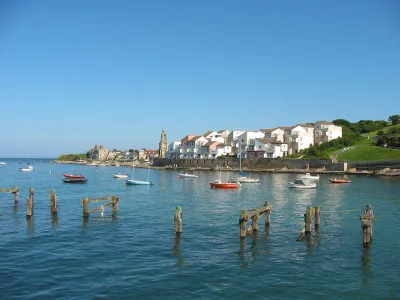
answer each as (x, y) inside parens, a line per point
(395, 119)
(341, 122)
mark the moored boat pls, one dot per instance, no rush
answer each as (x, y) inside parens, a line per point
(138, 182)
(75, 180)
(300, 184)
(2, 163)
(73, 176)
(245, 179)
(28, 169)
(120, 175)
(187, 175)
(309, 176)
(339, 180)
(217, 184)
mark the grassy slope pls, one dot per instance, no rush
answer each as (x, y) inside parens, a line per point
(367, 150)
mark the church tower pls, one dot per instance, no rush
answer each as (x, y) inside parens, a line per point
(163, 146)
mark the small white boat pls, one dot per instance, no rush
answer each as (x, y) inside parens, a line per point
(187, 175)
(92, 165)
(309, 176)
(120, 176)
(245, 179)
(2, 163)
(28, 169)
(300, 184)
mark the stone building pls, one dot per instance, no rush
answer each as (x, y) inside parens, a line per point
(163, 145)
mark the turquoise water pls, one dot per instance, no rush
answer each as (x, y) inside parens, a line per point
(137, 255)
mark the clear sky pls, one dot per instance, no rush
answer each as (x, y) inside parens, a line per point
(78, 73)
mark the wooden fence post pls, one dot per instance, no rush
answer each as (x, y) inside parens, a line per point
(308, 220)
(178, 220)
(243, 223)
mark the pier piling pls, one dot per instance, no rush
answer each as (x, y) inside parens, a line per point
(14, 190)
(53, 202)
(29, 208)
(113, 203)
(367, 220)
(254, 215)
(178, 220)
(310, 213)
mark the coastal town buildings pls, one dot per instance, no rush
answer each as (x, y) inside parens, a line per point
(163, 145)
(264, 143)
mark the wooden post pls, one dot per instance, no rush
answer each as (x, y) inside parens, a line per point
(53, 202)
(178, 220)
(243, 223)
(366, 223)
(308, 220)
(86, 208)
(32, 195)
(115, 200)
(317, 217)
(267, 214)
(29, 208)
(16, 196)
(254, 222)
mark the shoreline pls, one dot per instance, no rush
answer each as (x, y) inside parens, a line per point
(383, 172)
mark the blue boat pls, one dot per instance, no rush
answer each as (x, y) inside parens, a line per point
(138, 182)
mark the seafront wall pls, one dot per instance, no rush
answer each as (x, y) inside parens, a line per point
(251, 163)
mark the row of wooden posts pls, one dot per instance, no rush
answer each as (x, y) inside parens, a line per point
(367, 218)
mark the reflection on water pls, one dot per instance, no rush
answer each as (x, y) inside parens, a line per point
(243, 263)
(177, 251)
(54, 220)
(31, 228)
(366, 266)
(15, 208)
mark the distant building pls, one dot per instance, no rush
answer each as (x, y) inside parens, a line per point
(326, 131)
(150, 154)
(98, 153)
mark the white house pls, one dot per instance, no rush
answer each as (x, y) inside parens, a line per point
(268, 148)
(173, 150)
(326, 131)
(223, 149)
(224, 133)
(301, 137)
(276, 134)
(246, 143)
(214, 136)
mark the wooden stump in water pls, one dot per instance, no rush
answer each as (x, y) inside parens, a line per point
(367, 220)
(254, 221)
(29, 208)
(115, 200)
(86, 208)
(178, 220)
(32, 195)
(53, 202)
(243, 223)
(308, 220)
(16, 196)
(268, 214)
(317, 217)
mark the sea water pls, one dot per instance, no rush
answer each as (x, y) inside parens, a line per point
(136, 254)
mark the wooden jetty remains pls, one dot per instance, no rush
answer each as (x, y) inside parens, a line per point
(178, 220)
(367, 220)
(29, 204)
(53, 202)
(254, 215)
(86, 201)
(310, 213)
(14, 190)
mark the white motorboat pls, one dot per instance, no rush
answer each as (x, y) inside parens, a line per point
(92, 165)
(2, 163)
(28, 169)
(300, 184)
(245, 179)
(187, 175)
(309, 176)
(121, 176)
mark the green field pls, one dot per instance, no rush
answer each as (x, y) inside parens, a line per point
(366, 150)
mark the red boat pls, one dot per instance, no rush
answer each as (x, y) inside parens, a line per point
(339, 180)
(73, 176)
(224, 185)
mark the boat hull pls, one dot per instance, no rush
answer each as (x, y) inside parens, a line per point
(76, 180)
(26, 169)
(72, 176)
(339, 181)
(297, 186)
(224, 185)
(137, 182)
(187, 175)
(245, 180)
(120, 176)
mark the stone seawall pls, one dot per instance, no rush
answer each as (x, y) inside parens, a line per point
(251, 164)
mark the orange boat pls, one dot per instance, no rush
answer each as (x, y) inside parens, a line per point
(339, 180)
(73, 176)
(217, 184)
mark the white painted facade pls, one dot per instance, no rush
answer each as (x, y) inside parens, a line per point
(302, 137)
(246, 142)
(270, 149)
(326, 131)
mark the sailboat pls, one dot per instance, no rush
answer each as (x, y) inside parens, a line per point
(218, 184)
(243, 178)
(138, 182)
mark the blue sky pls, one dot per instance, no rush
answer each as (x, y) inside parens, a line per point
(78, 73)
